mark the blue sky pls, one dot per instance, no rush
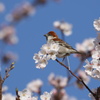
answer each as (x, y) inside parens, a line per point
(80, 13)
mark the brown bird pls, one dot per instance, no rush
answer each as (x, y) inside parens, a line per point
(64, 48)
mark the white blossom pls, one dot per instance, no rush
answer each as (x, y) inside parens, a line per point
(48, 51)
(45, 96)
(36, 57)
(7, 34)
(51, 49)
(4, 89)
(57, 81)
(96, 24)
(92, 68)
(26, 95)
(84, 77)
(72, 98)
(35, 85)
(42, 63)
(67, 32)
(65, 97)
(21, 11)
(30, 10)
(13, 39)
(62, 94)
(2, 7)
(65, 27)
(86, 46)
(8, 96)
(95, 54)
(56, 24)
(9, 56)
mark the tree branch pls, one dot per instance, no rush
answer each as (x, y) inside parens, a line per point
(76, 77)
(7, 72)
(18, 97)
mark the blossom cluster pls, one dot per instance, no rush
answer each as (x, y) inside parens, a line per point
(48, 51)
(58, 82)
(65, 27)
(2, 7)
(8, 35)
(8, 57)
(8, 96)
(35, 86)
(60, 95)
(26, 94)
(96, 24)
(93, 68)
(86, 46)
(21, 11)
(84, 77)
(32, 87)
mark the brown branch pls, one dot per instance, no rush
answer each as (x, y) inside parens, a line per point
(7, 72)
(18, 97)
(77, 77)
(5, 77)
(0, 87)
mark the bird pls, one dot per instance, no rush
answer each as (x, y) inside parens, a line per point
(64, 48)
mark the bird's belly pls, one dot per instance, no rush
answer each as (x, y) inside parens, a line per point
(63, 52)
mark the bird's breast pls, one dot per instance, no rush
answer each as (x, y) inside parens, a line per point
(62, 52)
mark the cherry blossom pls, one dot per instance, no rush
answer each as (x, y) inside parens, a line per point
(2, 7)
(48, 51)
(58, 82)
(26, 95)
(92, 68)
(35, 85)
(65, 27)
(96, 24)
(45, 96)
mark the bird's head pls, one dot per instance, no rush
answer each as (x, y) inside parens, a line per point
(51, 35)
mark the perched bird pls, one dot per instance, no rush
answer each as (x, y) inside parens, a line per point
(64, 48)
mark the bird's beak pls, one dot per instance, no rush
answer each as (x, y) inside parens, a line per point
(45, 35)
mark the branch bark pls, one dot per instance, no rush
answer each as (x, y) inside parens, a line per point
(0, 87)
(77, 78)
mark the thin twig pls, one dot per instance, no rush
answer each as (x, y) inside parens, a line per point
(0, 87)
(7, 72)
(77, 77)
(80, 65)
(18, 97)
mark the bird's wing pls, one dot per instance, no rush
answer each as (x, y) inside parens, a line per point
(62, 43)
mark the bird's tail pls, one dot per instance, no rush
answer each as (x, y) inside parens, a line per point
(74, 51)
(79, 52)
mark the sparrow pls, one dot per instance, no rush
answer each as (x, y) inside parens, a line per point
(64, 48)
